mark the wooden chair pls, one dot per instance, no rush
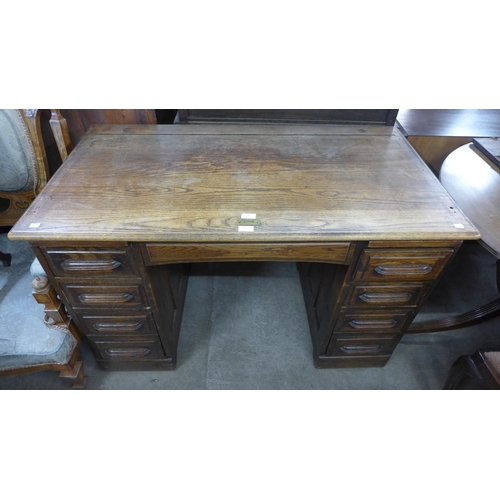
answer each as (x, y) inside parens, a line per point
(479, 371)
(32, 340)
(24, 169)
(49, 340)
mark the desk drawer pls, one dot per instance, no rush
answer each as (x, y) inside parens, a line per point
(157, 253)
(146, 347)
(90, 263)
(401, 265)
(379, 296)
(363, 346)
(363, 322)
(133, 323)
(105, 296)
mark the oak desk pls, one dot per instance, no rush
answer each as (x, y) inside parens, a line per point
(369, 225)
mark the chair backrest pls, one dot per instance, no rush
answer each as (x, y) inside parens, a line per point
(80, 120)
(18, 163)
(24, 169)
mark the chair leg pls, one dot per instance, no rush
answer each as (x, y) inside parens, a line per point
(55, 316)
(5, 259)
(74, 371)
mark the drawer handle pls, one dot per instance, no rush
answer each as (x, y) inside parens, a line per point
(349, 349)
(404, 269)
(382, 297)
(130, 326)
(102, 298)
(372, 323)
(74, 265)
(128, 352)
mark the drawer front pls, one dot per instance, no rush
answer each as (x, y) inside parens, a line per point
(137, 323)
(156, 253)
(147, 347)
(363, 346)
(120, 296)
(378, 296)
(90, 263)
(411, 265)
(360, 323)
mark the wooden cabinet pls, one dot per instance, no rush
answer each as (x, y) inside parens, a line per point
(112, 299)
(358, 313)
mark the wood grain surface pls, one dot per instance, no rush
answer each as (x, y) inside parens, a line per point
(177, 183)
(473, 180)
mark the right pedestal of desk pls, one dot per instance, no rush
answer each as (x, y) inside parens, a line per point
(358, 313)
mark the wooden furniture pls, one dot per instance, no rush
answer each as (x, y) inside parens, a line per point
(300, 116)
(435, 133)
(370, 226)
(80, 120)
(49, 342)
(479, 371)
(23, 162)
(52, 341)
(471, 175)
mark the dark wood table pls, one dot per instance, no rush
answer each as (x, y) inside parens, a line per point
(471, 174)
(369, 225)
(435, 133)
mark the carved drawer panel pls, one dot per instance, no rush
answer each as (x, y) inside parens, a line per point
(146, 347)
(363, 346)
(90, 263)
(379, 296)
(401, 265)
(105, 296)
(133, 323)
(357, 322)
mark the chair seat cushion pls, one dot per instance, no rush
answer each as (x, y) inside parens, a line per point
(25, 340)
(17, 157)
(36, 269)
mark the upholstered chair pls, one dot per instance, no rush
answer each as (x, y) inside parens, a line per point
(24, 169)
(34, 334)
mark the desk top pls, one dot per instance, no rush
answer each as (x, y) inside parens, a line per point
(192, 183)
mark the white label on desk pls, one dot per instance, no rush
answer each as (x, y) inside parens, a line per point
(245, 229)
(248, 216)
(35, 225)
(459, 226)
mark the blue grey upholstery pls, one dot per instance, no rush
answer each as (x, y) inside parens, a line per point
(25, 339)
(17, 157)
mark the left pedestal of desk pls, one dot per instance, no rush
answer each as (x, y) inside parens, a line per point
(130, 314)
